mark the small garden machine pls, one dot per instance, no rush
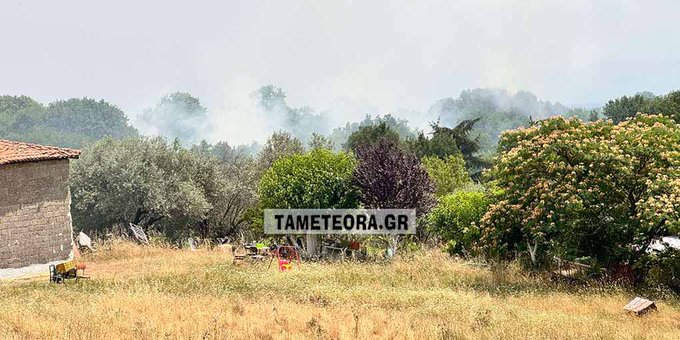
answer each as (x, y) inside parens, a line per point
(67, 270)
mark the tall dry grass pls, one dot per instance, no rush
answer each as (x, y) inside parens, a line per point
(162, 293)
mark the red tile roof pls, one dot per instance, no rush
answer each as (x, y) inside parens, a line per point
(19, 152)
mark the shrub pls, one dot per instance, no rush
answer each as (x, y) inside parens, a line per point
(594, 190)
(455, 219)
(447, 174)
(662, 269)
(316, 179)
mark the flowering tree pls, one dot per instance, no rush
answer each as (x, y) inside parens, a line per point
(577, 189)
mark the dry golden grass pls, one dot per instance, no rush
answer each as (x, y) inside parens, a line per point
(159, 293)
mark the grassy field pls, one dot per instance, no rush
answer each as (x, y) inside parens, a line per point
(159, 293)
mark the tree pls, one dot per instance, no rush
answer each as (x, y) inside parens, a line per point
(455, 220)
(451, 141)
(232, 158)
(625, 107)
(234, 196)
(497, 111)
(667, 105)
(159, 186)
(68, 123)
(19, 114)
(448, 175)
(340, 135)
(301, 122)
(318, 179)
(88, 117)
(177, 115)
(270, 98)
(318, 141)
(574, 190)
(280, 144)
(391, 178)
(370, 134)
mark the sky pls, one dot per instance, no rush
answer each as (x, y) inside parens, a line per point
(348, 58)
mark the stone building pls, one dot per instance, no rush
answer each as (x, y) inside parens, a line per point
(35, 207)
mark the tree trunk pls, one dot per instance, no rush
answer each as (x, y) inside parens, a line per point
(312, 244)
(393, 242)
(532, 251)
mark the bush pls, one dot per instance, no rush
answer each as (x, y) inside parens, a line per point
(319, 179)
(448, 174)
(455, 220)
(662, 269)
(577, 190)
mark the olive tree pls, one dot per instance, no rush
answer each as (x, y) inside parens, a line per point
(159, 186)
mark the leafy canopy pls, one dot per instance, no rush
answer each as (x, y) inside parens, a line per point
(75, 122)
(455, 219)
(157, 185)
(626, 107)
(316, 179)
(446, 142)
(392, 178)
(448, 174)
(596, 190)
(370, 134)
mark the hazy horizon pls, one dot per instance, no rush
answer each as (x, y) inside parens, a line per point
(342, 58)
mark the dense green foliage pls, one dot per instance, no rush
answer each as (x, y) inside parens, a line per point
(448, 174)
(317, 179)
(158, 186)
(626, 107)
(370, 134)
(662, 269)
(340, 135)
(69, 123)
(598, 191)
(445, 142)
(455, 220)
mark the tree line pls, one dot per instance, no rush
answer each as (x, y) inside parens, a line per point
(575, 187)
